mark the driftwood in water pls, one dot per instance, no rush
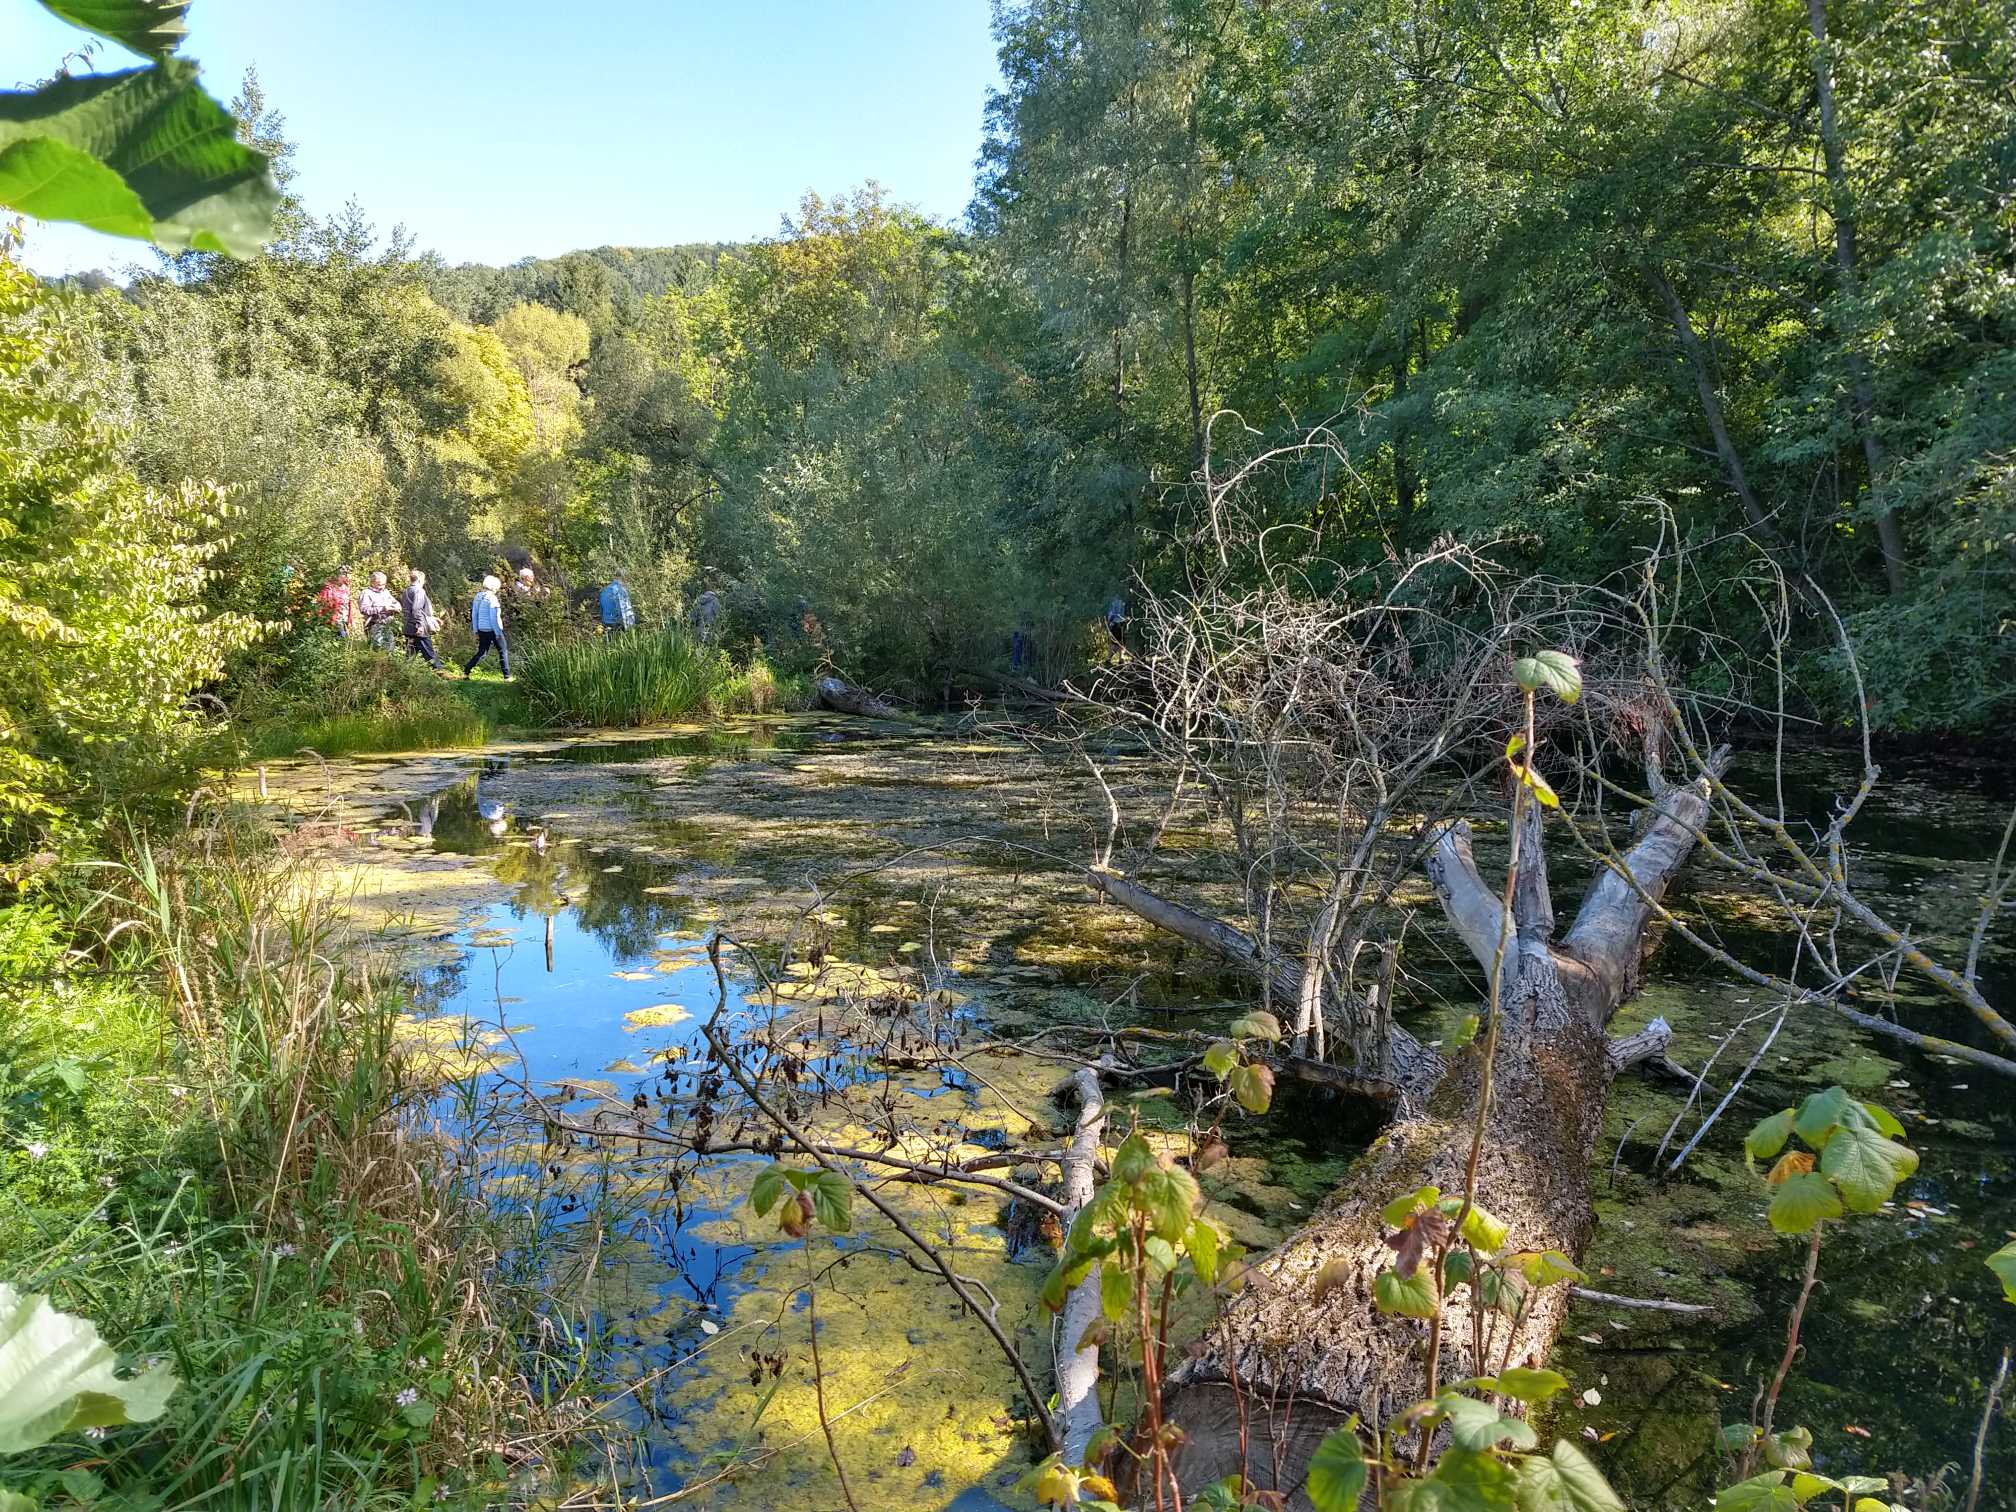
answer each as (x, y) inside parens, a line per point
(845, 698)
(1302, 1345)
(1078, 1415)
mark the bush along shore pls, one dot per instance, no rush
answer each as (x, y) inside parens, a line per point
(339, 697)
(214, 1159)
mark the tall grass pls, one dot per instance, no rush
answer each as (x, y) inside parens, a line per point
(224, 1169)
(646, 677)
(339, 697)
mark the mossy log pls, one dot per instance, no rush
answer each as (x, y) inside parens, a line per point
(844, 698)
(1302, 1348)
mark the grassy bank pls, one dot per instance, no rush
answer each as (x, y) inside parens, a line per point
(210, 1151)
(341, 699)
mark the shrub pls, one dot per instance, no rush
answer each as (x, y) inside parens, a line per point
(335, 697)
(105, 633)
(641, 678)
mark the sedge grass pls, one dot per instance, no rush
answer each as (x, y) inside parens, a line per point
(645, 677)
(221, 1164)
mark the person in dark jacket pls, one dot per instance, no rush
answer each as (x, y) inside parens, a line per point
(416, 614)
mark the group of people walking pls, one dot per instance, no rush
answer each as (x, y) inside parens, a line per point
(374, 610)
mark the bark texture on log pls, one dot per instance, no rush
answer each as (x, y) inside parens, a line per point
(1078, 1416)
(1302, 1347)
(845, 698)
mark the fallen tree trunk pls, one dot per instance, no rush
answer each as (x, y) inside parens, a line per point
(845, 698)
(1302, 1347)
(1078, 1416)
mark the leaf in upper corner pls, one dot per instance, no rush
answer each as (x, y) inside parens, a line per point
(152, 28)
(174, 147)
(1337, 1472)
(58, 1376)
(1565, 1481)
(52, 180)
(1802, 1201)
(2003, 1263)
(1555, 671)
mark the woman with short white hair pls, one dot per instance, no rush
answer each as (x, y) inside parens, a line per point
(486, 618)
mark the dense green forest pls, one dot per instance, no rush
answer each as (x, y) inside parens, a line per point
(1540, 273)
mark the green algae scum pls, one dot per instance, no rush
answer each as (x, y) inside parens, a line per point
(553, 903)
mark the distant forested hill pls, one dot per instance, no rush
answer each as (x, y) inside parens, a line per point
(480, 293)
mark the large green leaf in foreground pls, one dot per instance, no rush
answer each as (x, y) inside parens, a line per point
(57, 1376)
(152, 28)
(145, 153)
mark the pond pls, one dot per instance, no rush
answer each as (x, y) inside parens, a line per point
(551, 902)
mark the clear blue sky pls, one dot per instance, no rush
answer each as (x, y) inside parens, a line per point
(516, 128)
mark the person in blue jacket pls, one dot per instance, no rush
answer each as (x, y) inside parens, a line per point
(617, 613)
(486, 618)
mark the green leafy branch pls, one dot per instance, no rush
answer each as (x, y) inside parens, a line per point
(145, 153)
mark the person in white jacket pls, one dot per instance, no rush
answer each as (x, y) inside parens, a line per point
(486, 618)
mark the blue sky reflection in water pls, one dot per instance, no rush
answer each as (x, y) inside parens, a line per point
(576, 949)
(591, 935)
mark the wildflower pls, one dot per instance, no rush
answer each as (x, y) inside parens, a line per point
(37, 1149)
(357, 1327)
(284, 1252)
(105, 1182)
(94, 1433)
(406, 1397)
(421, 1362)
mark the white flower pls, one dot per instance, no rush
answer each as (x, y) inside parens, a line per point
(421, 1362)
(357, 1327)
(105, 1182)
(284, 1251)
(37, 1149)
(94, 1433)
(407, 1397)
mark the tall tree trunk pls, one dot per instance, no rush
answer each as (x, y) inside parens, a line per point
(1302, 1348)
(1842, 207)
(1403, 475)
(1711, 407)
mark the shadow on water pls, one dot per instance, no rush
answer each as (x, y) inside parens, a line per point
(1902, 1335)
